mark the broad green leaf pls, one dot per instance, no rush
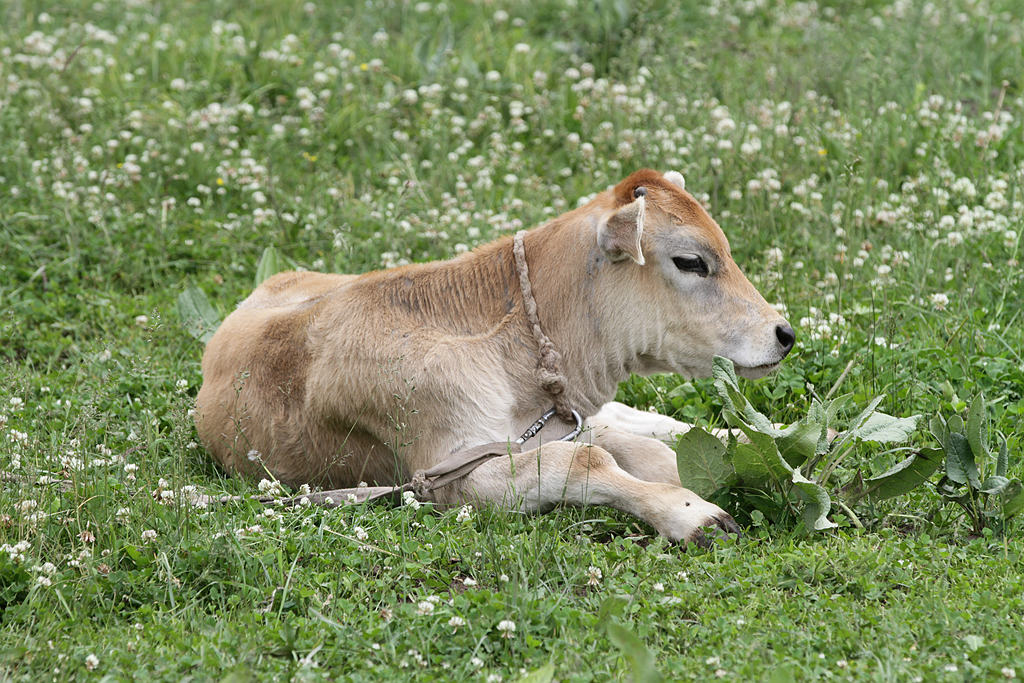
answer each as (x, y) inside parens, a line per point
(749, 415)
(833, 407)
(700, 459)
(723, 370)
(759, 461)
(269, 265)
(1013, 499)
(976, 427)
(866, 413)
(994, 484)
(830, 410)
(821, 414)
(541, 675)
(735, 402)
(904, 476)
(817, 503)
(800, 441)
(883, 428)
(955, 423)
(750, 465)
(197, 315)
(960, 465)
(948, 488)
(641, 660)
(937, 426)
(1002, 459)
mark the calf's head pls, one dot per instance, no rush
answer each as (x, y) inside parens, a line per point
(682, 299)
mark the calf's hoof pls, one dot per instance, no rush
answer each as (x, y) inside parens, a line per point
(717, 528)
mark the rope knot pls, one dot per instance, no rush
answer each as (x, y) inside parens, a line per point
(420, 485)
(553, 382)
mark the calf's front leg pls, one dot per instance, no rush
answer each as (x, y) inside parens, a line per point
(583, 474)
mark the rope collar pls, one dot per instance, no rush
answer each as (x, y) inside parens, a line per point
(549, 372)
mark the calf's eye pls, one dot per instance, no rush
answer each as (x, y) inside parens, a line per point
(691, 263)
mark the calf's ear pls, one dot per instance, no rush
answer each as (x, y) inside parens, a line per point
(619, 236)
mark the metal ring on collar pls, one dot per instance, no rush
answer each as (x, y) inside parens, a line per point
(533, 429)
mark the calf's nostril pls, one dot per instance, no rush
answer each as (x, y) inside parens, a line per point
(786, 336)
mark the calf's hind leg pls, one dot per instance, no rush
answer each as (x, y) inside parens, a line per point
(582, 474)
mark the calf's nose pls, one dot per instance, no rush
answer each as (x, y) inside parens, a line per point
(786, 336)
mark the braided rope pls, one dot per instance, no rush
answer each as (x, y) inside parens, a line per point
(549, 372)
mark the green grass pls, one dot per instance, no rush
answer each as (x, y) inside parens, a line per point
(866, 160)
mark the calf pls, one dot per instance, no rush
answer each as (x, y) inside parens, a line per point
(333, 380)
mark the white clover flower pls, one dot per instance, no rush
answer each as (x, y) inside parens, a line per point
(424, 607)
(507, 627)
(939, 301)
(149, 535)
(659, 587)
(270, 488)
(465, 514)
(456, 621)
(469, 581)
(91, 662)
(594, 576)
(360, 533)
(409, 498)
(773, 256)
(726, 125)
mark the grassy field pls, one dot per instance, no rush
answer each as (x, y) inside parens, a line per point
(866, 160)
